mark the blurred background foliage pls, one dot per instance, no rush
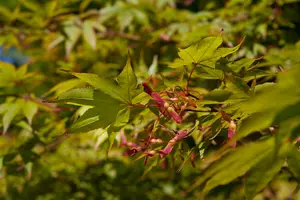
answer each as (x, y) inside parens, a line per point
(42, 40)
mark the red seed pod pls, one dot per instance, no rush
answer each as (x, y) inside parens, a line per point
(155, 141)
(150, 153)
(166, 105)
(167, 150)
(174, 99)
(157, 98)
(172, 141)
(181, 135)
(174, 115)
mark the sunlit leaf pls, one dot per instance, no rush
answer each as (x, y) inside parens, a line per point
(293, 160)
(9, 115)
(30, 109)
(89, 34)
(7, 73)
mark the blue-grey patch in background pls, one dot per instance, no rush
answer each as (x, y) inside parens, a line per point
(12, 55)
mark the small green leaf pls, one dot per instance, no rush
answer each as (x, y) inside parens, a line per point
(89, 34)
(256, 122)
(57, 41)
(153, 68)
(111, 138)
(30, 109)
(5, 13)
(85, 122)
(14, 109)
(84, 4)
(128, 81)
(21, 71)
(293, 160)
(28, 168)
(73, 33)
(236, 84)
(218, 95)
(122, 117)
(238, 65)
(78, 93)
(7, 73)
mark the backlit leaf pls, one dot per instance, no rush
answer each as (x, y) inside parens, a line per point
(30, 109)
(262, 173)
(293, 160)
(14, 109)
(89, 34)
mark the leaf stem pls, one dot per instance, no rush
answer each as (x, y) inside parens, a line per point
(189, 78)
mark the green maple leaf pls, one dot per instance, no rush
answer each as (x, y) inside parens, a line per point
(204, 53)
(109, 102)
(124, 89)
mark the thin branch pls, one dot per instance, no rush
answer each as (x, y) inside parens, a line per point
(189, 78)
(111, 33)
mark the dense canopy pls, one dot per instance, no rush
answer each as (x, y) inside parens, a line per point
(149, 99)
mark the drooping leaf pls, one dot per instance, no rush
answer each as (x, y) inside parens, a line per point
(7, 73)
(73, 33)
(242, 161)
(89, 34)
(28, 168)
(218, 95)
(236, 84)
(293, 160)
(122, 117)
(238, 65)
(77, 94)
(153, 68)
(262, 173)
(14, 109)
(233, 164)
(20, 73)
(255, 122)
(30, 109)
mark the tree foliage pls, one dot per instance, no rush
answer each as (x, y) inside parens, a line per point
(149, 99)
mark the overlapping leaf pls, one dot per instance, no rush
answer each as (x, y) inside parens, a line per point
(206, 52)
(109, 103)
(103, 113)
(124, 90)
